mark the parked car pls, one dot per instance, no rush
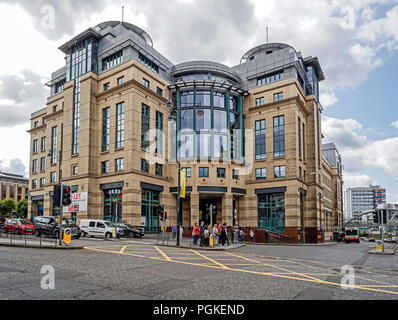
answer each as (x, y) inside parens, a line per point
(125, 230)
(19, 226)
(97, 228)
(48, 226)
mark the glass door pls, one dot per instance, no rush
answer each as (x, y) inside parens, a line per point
(150, 210)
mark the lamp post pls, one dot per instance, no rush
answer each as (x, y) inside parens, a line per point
(171, 104)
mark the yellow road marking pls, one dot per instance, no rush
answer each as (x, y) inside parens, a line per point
(163, 254)
(211, 260)
(122, 250)
(362, 287)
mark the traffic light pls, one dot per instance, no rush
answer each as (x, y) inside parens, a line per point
(66, 195)
(161, 214)
(57, 197)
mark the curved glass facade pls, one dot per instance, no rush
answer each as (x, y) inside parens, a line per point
(210, 125)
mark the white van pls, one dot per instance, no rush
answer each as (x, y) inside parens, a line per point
(97, 228)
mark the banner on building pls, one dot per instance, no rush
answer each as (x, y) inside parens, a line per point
(79, 203)
(183, 184)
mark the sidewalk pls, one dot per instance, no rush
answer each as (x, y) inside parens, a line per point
(388, 250)
(34, 243)
(185, 243)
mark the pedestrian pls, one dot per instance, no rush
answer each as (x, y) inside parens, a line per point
(202, 230)
(241, 235)
(181, 231)
(174, 231)
(206, 235)
(219, 233)
(223, 236)
(226, 233)
(196, 234)
(251, 235)
(215, 234)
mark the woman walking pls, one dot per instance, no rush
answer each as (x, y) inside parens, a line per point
(215, 235)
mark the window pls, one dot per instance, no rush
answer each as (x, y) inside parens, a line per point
(34, 184)
(107, 86)
(43, 143)
(106, 127)
(145, 126)
(271, 212)
(120, 125)
(43, 164)
(112, 61)
(260, 101)
(219, 100)
(54, 146)
(261, 174)
(159, 170)
(159, 133)
(42, 182)
(105, 167)
(53, 177)
(269, 78)
(280, 172)
(187, 99)
(55, 108)
(235, 174)
(203, 172)
(34, 166)
(149, 63)
(299, 138)
(75, 170)
(119, 165)
(59, 86)
(145, 83)
(261, 147)
(120, 81)
(187, 171)
(144, 166)
(303, 141)
(221, 173)
(279, 136)
(36, 124)
(203, 99)
(278, 96)
(35, 146)
(159, 91)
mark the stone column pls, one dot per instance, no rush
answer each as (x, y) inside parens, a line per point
(227, 209)
(8, 192)
(194, 208)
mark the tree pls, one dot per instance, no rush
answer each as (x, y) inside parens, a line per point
(22, 208)
(7, 206)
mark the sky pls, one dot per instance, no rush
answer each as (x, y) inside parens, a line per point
(356, 42)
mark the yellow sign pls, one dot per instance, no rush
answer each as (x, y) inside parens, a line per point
(211, 241)
(379, 245)
(67, 236)
(183, 183)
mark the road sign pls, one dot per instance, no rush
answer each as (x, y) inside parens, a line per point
(379, 245)
(183, 184)
(67, 236)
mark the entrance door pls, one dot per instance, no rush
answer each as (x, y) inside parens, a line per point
(150, 210)
(113, 205)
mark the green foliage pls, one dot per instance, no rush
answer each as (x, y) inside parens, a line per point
(7, 206)
(22, 208)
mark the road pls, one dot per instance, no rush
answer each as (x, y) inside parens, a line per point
(135, 271)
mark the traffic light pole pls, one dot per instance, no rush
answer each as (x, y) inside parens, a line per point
(61, 209)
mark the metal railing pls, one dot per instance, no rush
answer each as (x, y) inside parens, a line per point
(25, 239)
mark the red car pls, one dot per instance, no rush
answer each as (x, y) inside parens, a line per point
(19, 226)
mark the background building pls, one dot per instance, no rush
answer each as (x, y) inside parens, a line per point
(363, 199)
(13, 186)
(249, 137)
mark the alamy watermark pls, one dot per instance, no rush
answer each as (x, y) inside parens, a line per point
(48, 280)
(348, 281)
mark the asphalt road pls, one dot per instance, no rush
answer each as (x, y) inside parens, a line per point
(135, 271)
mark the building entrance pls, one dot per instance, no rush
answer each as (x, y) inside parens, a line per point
(113, 205)
(205, 210)
(150, 210)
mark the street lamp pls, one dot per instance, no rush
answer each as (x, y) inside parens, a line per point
(171, 119)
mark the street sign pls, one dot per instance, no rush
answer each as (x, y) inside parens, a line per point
(379, 245)
(67, 236)
(143, 221)
(183, 183)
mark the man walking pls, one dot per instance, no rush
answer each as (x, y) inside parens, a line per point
(202, 232)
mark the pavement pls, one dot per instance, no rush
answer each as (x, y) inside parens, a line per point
(139, 270)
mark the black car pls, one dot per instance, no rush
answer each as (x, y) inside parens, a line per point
(48, 226)
(128, 231)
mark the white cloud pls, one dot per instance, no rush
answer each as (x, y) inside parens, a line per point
(395, 124)
(357, 180)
